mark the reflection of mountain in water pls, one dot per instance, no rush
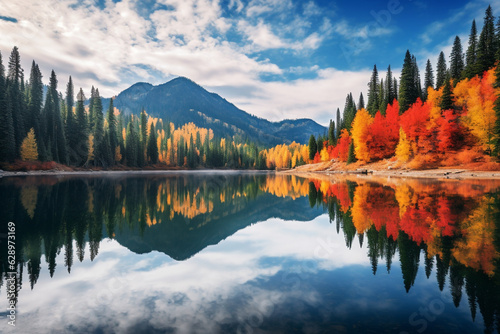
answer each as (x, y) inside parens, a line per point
(181, 238)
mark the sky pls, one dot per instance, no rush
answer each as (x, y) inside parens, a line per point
(277, 59)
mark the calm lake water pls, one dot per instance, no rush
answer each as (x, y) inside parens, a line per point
(250, 253)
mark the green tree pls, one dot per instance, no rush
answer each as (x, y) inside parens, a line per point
(351, 157)
(81, 148)
(14, 80)
(313, 147)
(471, 55)
(349, 112)
(102, 150)
(486, 47)
(7, 139)
(132, 144)
(447, 99)
(71, 124)
(153, 147)
(141, 158)
(441, 71)
(112, 133)
(55, 138)
(382, 97)
(456, 60)
(361, 102)
(339, 125)
(416, 78)
(429, 79)
(331, 133)
(35, 102)
(390, 93)
(373, 93)
(408, 93)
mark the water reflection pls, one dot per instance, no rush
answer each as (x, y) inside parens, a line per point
(450, 226)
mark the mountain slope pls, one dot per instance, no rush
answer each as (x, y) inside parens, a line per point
(182, 100)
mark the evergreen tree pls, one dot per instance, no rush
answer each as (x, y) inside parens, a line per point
(131, 145)
(56, 140)
(112, 133)
(361, 104)
(331, 133)
(7, 139)
(486, 47)
(141, 158)
(14, 80)
(153, 147)
(408, 93)
(373, 93)
(35, 107)
(456, 61)
(416, 78)
(441, 71)
(471, 55)
(396, 89)
(382, 98)
(389, 88)
(91, 116)
(351, 157)
(71, 124)
(102, 150)
(447, 99)
(429, 79)
(313, 148)
(339, 126)
(349, 112)
(80, 150)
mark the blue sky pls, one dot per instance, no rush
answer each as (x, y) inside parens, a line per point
(273, 58)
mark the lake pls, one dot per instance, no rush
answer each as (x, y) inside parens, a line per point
(229, 252)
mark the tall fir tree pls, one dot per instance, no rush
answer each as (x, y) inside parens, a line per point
(408, 93)
(71, 131)
(153, 147)
(14, 80)
(373, 92)
(35, 103)
(361, 102)
(416, 78)
(331, 133)
(456, 61)
(471, 55)
(382, 98)
(81, 131)
(487, 45)
(112, 133)
(428, 80)
(349, 112)
(338, 125)
(396, 91)
(447, 98)
(102, 151)
(389, 88)
(55, 138)
(91, 114)
(7, 139)
(141, 158)
(313, 147)
(131, 144)
(441, 70)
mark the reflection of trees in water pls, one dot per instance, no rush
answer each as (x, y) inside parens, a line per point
(457, 228)
(455, 225)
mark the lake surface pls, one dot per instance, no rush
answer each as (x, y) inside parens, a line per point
(250, 253)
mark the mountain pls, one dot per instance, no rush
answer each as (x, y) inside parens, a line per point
(182, 100)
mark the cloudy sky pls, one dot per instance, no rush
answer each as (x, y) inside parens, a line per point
(273, 58)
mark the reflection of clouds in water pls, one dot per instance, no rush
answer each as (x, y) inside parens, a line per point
(221, 287)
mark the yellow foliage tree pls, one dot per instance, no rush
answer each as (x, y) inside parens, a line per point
(29, 147)
(403, 150)
(360, 127)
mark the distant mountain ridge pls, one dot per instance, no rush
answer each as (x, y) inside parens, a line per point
(182, 100)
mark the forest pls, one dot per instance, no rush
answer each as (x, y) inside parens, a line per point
(453, 119)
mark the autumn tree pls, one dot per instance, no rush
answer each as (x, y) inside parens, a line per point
(29, 147)
(360, 132)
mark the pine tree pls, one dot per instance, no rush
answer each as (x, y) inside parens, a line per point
(35, 107)
(361, 103)
(456, 61)
(153, 147)
(91, 116)
(447, 99)
(102, 151)
(339, 125)
(408, 93)
(429, 79)
(141, 158)
(71, 124)
(486, 47)
(131, 145)
(389, 88)
(112, 133)
(14, 80)
(382, 106)
(373, 93)
(471, 55)
(416, 78)
(351, 157)
(441, 71)
(396, 89)
(349, 112)
(29, 147)
(81, 148)
(331, 133)
(313, 148)
(7, 139)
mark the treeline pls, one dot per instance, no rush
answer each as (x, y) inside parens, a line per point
(453, 118)
(40, 124)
